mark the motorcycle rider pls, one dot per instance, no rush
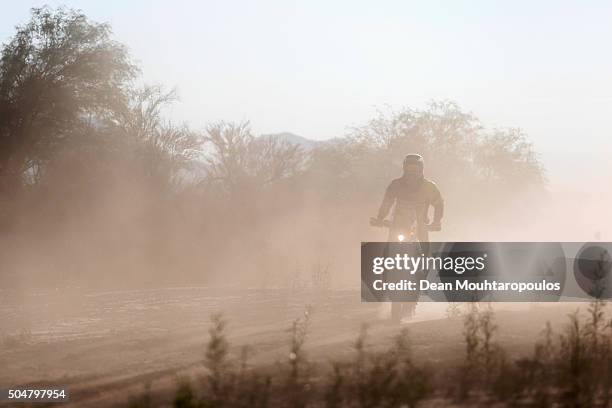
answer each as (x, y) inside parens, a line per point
(411, 196)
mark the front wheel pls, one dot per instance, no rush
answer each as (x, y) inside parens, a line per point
(399, 310)
(396, 312)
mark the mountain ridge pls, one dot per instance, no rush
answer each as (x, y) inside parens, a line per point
(304, 142)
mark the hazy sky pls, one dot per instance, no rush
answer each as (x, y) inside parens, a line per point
(316, 67)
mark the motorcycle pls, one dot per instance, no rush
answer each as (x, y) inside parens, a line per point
(399, 310)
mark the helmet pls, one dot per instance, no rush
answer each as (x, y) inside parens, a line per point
(413, 164)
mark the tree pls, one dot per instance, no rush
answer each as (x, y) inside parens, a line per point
(242, 162)
(506, 157)
(456, 147)
(59, 74)
(160, 149)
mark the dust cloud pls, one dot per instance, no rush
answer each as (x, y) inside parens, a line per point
(121, 232)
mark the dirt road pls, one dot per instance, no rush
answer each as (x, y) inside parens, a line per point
(107, 346)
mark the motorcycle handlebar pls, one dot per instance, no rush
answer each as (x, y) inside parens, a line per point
(375, 222)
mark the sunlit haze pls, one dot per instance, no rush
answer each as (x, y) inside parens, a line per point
(316, 68)
(272, 203)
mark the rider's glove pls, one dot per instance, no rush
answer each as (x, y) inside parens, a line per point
(436, 225)
(376, 222)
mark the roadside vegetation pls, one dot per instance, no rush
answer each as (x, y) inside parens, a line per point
(571, 368)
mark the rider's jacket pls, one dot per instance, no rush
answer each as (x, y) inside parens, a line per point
(412, 197)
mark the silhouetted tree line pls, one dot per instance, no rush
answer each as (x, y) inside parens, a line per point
(94, 179)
